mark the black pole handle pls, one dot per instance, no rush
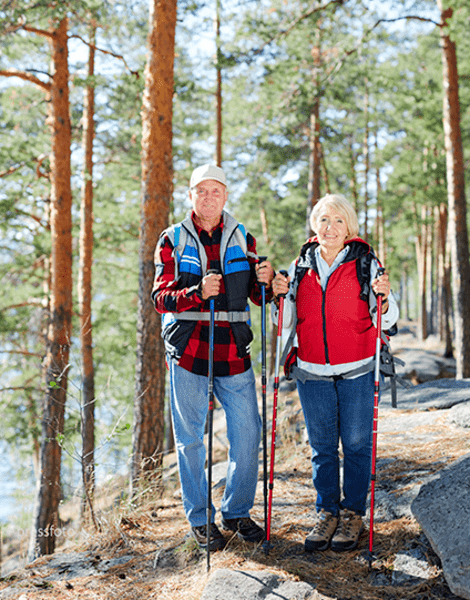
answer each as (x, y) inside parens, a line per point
(260, 260)
(380, 272)
(212, 272)
(283, 272)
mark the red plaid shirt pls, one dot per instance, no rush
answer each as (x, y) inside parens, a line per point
(168, 298)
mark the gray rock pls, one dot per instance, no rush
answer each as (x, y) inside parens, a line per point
(441, 393)
(225, 584)
(460, 415)
(442, 508)
(422, 365)
(410, 568)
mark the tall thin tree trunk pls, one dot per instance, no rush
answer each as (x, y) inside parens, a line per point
(264, 222)
(352, 177)
(443, 281)
(405, 294)
(421, 255)
(59, 332)
(430, 277)
(314, 161)
(218, 93)
(326, 177)
(314, 171)
(85, 290)
(380, 229)
(157, 190)
(456, 199)
(365, 152)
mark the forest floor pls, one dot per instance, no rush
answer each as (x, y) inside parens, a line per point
(143, 551)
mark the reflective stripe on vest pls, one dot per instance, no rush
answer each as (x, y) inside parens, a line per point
(221, 315)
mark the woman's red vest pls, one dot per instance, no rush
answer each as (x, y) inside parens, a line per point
(334, 326)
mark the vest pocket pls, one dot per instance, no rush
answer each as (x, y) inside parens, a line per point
(243, 337)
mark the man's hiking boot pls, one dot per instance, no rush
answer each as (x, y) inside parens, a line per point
(246, 529)
(216, 540)
(349, 529)
(320, 536)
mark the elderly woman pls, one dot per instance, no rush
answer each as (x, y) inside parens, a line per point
(331, 302)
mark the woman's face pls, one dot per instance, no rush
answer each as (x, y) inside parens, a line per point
(332, 230)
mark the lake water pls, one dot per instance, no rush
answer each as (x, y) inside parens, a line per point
(15, 494)
(8, 486)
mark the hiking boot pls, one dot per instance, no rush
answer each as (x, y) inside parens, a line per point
(320, 536)
(216, 540)
(349, 529)
(246, 529)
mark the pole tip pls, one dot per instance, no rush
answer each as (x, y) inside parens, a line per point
(370, 558)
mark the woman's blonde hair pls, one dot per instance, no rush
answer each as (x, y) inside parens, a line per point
(340, 204)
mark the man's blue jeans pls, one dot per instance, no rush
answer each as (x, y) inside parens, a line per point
(340, 410)
(189, 406)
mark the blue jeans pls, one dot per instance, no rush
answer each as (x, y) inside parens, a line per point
(189, 406)
(340, 410)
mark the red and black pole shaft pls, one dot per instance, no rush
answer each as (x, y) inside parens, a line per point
(373, 476)
(267, 543)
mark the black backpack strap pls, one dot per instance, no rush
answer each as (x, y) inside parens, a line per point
(387, 368)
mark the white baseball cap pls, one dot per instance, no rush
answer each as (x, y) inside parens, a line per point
(207, 172)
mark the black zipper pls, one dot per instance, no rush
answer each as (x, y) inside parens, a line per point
(327, 356)
(239, 259)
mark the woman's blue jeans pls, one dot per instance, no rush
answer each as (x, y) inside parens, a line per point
(189, 406)
(340, 410)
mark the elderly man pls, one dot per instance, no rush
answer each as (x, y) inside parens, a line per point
(210, 239)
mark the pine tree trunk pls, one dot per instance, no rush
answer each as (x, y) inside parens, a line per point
(456, 200)
(326, 176)
(380, 230)
(314, 168)
(421, 259)
(443, 281)
(352, 170)
(85, 292)
(157, 189)
(430, 278)
(314, 172)
(218, 94)
(59, 332)
(365, 152)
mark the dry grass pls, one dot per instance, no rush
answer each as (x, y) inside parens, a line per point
(163, 563)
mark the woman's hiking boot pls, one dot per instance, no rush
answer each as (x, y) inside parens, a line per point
(320, 536)
(349, 529)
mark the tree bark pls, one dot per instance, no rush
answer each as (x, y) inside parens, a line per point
(421, 259)
(85, 291)
(380, 228)
(314, 169)
(352, 171)
(157, 189)
(443, 281)
(218, 93)
(59, 331)
(365, 152)
(314, 175)
(456, 199)
(326, 176)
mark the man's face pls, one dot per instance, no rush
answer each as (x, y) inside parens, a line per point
(208, 199)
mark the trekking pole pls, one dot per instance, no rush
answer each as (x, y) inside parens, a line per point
(263, 392)
(267, 543)
(380, 272)
(210, 421)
